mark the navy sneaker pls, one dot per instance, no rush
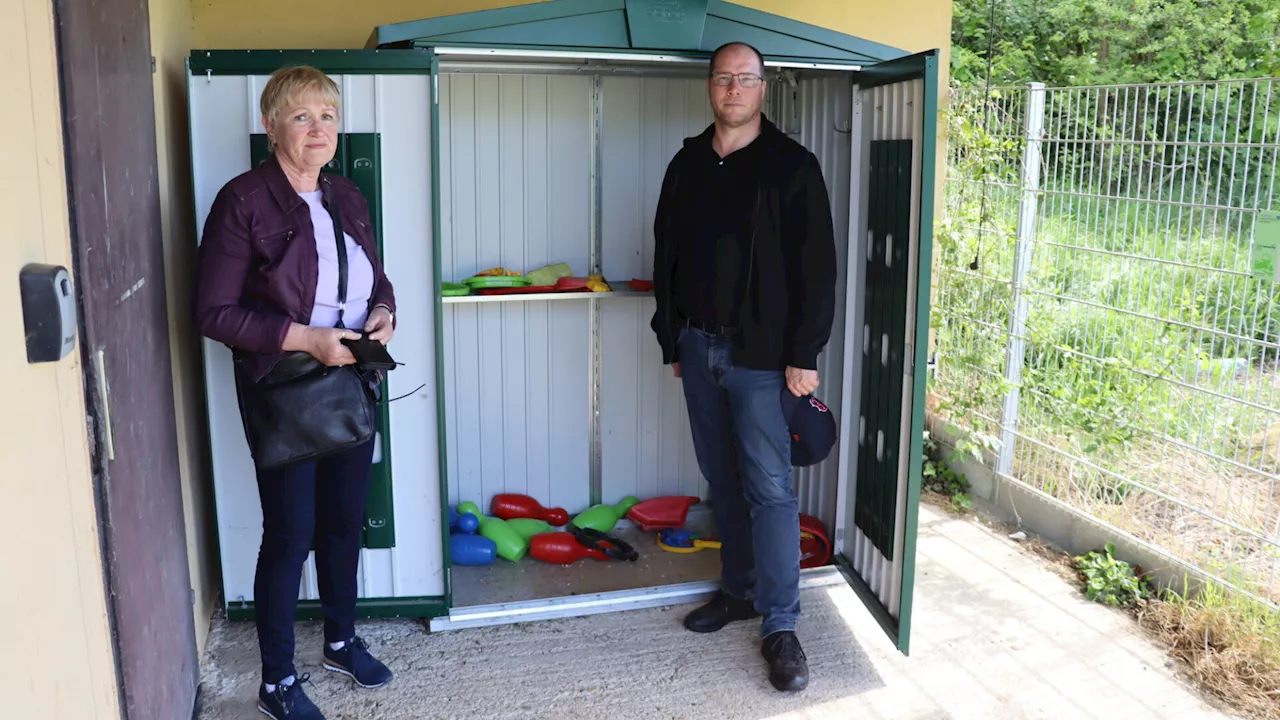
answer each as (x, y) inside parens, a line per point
(355, 661)
(288, 702)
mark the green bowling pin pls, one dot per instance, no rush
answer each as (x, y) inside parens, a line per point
(604, 517)
(510, 545)
(528, 527)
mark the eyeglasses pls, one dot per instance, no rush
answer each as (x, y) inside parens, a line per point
(746, 80)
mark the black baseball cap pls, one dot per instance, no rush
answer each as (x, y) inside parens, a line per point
(812, 426)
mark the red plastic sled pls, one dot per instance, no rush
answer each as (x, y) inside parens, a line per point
(662, 512)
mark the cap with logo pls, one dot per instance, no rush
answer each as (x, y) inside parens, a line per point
(812, 426)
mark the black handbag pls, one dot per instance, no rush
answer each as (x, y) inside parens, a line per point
(303, 410)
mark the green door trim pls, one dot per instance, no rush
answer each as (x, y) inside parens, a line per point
(429, 606)
(920, 362)
(442, 440)
(410, 61)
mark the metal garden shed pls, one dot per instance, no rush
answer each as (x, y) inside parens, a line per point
(539, 134)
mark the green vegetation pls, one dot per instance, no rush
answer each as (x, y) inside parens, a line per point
(1149, 388)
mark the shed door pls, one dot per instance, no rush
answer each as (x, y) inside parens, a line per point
(895, 107)
(105, 63)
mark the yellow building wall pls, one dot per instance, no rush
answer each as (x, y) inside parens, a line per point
(172, 37)
(59, 660)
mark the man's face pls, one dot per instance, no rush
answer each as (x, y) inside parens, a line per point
(733, 104)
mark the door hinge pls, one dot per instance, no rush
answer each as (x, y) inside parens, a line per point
(153, 64)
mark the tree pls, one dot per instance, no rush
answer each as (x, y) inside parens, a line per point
(1089, 42)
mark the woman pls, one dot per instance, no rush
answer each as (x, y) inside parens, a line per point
(267, 286)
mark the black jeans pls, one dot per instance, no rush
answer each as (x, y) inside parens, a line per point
(323, 500)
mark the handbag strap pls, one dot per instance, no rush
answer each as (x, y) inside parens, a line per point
(339, 239)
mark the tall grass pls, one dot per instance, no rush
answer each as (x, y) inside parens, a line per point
(1149, 393)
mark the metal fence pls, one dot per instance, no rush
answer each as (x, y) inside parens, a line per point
(1106, 313)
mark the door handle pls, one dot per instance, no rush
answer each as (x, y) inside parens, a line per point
(104, 395)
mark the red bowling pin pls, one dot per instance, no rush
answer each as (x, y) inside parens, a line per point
(561, 548)
(510, 506)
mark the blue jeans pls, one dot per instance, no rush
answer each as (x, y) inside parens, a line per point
(743, 447)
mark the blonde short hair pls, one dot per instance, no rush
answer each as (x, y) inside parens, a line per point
(289, 84)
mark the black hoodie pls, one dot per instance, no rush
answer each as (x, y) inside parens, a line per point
(785, 315)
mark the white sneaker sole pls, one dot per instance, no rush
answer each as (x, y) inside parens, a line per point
(343, 671)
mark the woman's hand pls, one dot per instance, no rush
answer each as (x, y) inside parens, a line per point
(324, 344)
(379, 326)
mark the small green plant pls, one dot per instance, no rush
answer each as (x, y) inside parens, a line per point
(1110, 581)
(940, 476)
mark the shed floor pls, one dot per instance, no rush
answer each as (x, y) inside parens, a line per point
(997, 636)
(528, 579)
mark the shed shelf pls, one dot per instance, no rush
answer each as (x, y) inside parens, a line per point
(531, 297)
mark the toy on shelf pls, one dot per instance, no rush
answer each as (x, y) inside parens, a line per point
(467, 549)
(510, 506)
(682, 541)
(526, 528)
(448, 289)
(548, 275)
(566, 548)
(602, 518)
(466, 523)
(510, 545)
(661, 512)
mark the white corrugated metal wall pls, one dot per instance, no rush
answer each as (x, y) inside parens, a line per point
(224, 113)
(646, 446)
(515, 157)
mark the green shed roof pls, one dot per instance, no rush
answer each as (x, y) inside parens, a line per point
(642, 26)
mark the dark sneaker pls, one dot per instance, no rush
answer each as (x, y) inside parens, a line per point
(355, 661)
(788, 668)
(288, 702)
(722, 610)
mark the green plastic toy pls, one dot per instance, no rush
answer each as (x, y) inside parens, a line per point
(511, 546)
(528, 527)
(604, 517)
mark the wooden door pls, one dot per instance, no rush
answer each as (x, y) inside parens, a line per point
(109, 124)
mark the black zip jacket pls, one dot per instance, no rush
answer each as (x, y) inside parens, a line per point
(788, 305)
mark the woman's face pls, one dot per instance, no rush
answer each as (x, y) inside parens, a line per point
(305, 132)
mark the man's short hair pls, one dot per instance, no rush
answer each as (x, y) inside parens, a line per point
(716, 55)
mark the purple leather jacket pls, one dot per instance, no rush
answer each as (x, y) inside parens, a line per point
(256, 269)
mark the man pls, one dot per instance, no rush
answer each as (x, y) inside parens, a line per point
(744, 276)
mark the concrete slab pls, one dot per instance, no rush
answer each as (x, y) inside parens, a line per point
(997, 636)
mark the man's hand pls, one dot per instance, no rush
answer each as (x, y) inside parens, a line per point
(675, 368)
(379, 325)
(801, 382)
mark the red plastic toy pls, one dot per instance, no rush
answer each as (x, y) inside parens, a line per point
(561, 548)
(510, 506)
(814, 551)
(662, 512)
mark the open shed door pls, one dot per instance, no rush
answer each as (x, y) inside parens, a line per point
(895, 110)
